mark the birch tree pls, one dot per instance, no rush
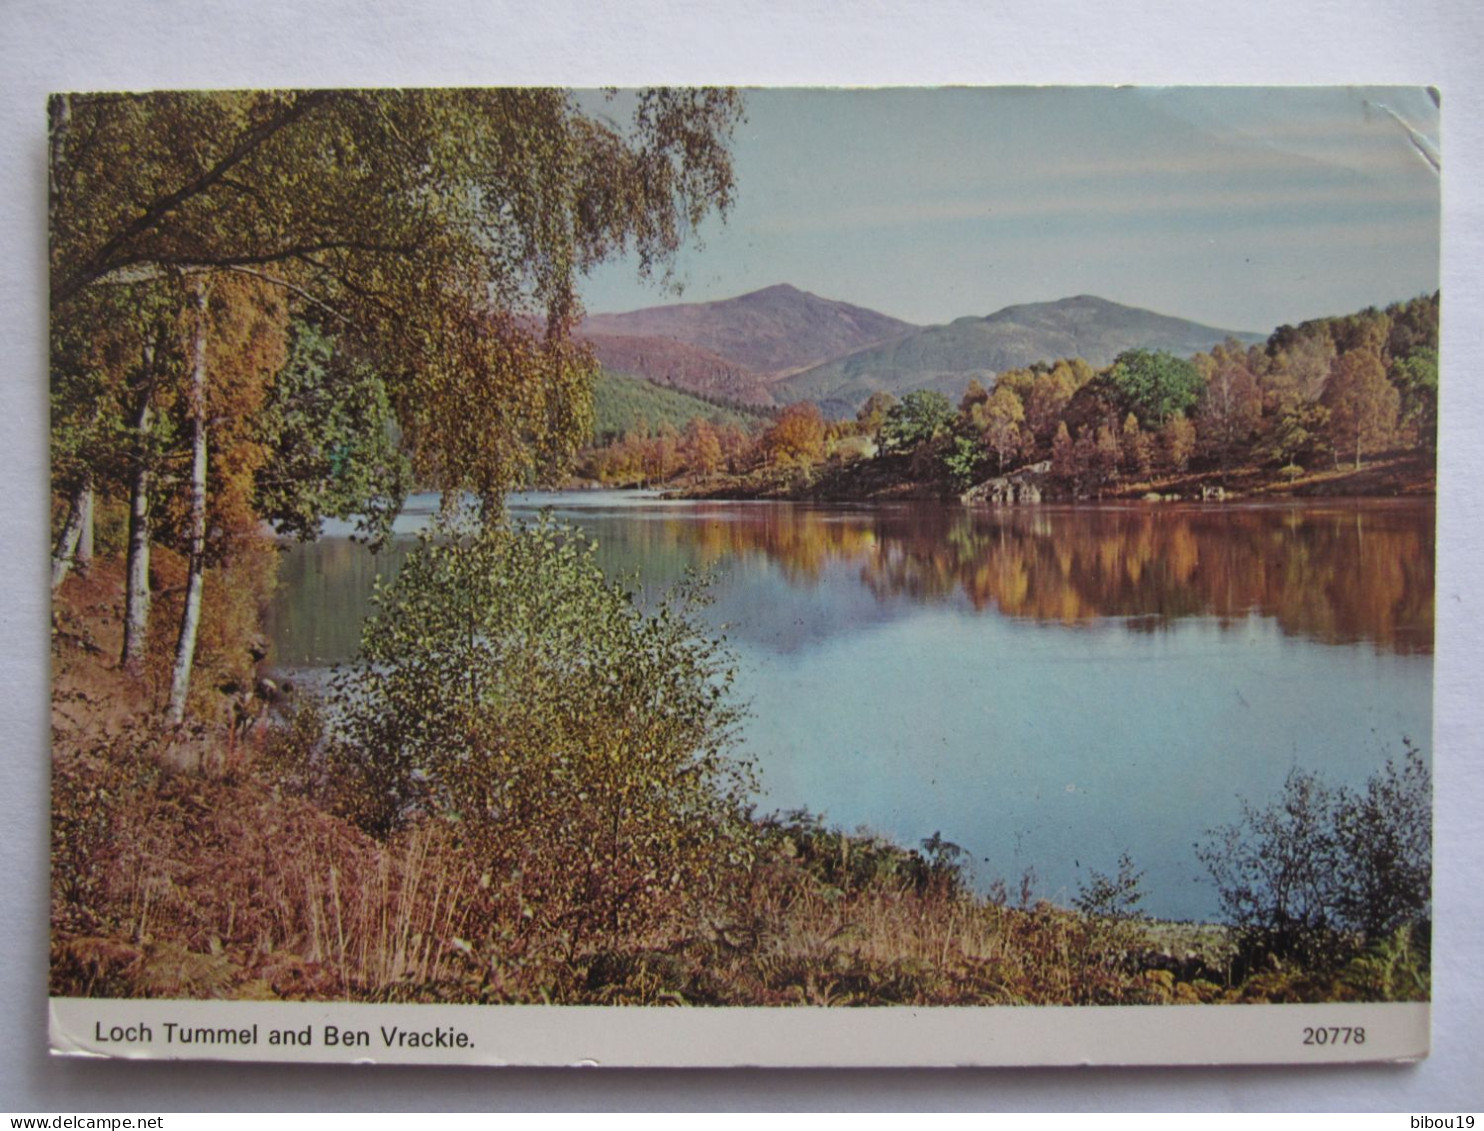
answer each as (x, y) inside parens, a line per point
(442, 232)
(1362, 404)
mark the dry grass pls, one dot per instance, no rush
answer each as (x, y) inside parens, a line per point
(216, 883)
(201, 885)
(798, 941)
(211, 884)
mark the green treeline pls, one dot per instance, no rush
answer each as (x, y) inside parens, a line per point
(625, 405)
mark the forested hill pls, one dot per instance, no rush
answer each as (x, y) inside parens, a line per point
(628, 404)
(946, 358)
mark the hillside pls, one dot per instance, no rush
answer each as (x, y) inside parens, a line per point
(619, 401)
(679, 365)
(764, 335)
(945, 358)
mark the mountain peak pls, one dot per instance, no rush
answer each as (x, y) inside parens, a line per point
(764, 334)
(778, 289)
(946, 358)
(1071, 302)
(1085, 305)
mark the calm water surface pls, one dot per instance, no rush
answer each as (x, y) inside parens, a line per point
(1048, 687)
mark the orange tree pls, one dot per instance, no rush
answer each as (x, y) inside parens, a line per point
(797, 437)
(1363, 405)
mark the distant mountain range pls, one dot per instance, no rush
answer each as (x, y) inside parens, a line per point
(782, 344)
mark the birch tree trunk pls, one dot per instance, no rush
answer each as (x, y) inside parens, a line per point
(136, 568)
(190, 618)
(75, 546)
(83, 559)
(68, 544)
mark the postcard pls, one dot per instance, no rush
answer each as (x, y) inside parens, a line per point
(700, 576)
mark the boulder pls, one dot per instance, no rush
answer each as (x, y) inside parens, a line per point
(1028, 485)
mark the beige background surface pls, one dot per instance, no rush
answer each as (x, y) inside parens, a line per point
(211, 43)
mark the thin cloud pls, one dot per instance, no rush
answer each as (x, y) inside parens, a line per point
(1263, 204)
(1323, 248)
(1254, 203)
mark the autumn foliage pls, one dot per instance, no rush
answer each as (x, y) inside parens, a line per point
(1318, 398)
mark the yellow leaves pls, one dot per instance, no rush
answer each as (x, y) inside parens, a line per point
(498, 406)
(798, 436)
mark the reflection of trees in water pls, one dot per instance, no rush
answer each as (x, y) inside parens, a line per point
(802, 542)
(323, 594)
(1335, 574)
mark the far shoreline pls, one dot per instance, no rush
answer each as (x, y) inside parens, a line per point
(1396, 476)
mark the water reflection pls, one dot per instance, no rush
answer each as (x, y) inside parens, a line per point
(1335, 574)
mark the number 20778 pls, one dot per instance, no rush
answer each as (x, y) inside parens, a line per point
(1334, 1035)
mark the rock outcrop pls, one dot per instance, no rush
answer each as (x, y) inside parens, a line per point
(1026, 485)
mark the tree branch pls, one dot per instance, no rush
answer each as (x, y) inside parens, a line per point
(288, 286)
(140, 268)
(103, 260)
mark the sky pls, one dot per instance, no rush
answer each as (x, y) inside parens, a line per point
(1244, 208)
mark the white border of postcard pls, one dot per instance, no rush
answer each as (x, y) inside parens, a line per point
(636, 1037)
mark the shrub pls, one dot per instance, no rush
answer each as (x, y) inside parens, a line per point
(1321, 873)
(920, 418)
(1383, 840)
(1115, 897)
(1273, 868)
(1112, 931)
(575, 742)
(962, 459)
(845, 863)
